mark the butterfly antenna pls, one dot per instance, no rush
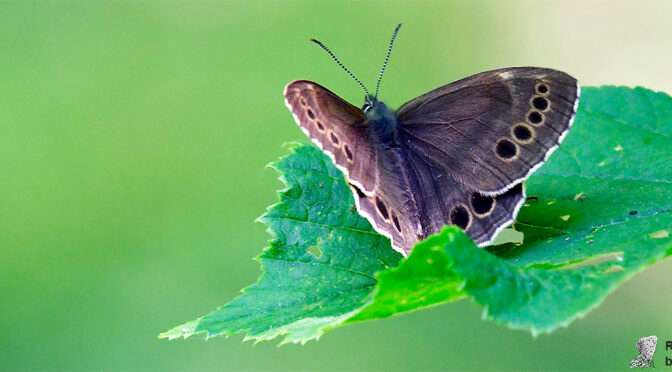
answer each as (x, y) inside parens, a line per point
(389, 51)
(340, 64)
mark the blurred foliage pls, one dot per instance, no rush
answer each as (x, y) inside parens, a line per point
(134, 137)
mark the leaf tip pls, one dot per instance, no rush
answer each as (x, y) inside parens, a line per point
(185, 331)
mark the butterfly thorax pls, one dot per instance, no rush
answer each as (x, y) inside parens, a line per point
(382, 122)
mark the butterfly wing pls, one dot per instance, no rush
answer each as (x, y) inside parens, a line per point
(490, 131)
(391, 208)
(415, 199)
(464, 150)
(445, 201)
(337, 127)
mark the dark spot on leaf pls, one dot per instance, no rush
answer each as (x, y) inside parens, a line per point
(481, 204)
(334, 139)
(506, 149)
(396, 223)
(632, 213)
(319, 125)
(460, 216)
(346, 149)
(591, 241)
(522, 133)
(542, 88)
(311, 114)
(540, 103)
(535, 117)
(382, 208)
(529, 198)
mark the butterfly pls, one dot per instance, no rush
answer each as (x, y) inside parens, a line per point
(457, 155)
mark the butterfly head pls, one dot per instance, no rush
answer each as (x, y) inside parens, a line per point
(376, 110)
(370, 101)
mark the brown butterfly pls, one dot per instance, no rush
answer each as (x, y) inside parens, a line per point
(456, 155)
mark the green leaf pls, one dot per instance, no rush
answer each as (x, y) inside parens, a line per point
(599, 212)
(319, 269)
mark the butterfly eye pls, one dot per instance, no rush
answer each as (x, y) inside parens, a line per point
(366, 107)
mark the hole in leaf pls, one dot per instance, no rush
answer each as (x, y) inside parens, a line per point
(315, 251)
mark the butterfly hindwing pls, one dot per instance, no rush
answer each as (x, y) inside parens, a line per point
(387, 217)
(337, 127)
(415, 199)
(491, 130)
(444, 201)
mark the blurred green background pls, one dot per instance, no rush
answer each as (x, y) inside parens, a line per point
(134, 137)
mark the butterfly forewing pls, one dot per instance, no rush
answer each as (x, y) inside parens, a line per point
(491, 130)
(337, 127)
